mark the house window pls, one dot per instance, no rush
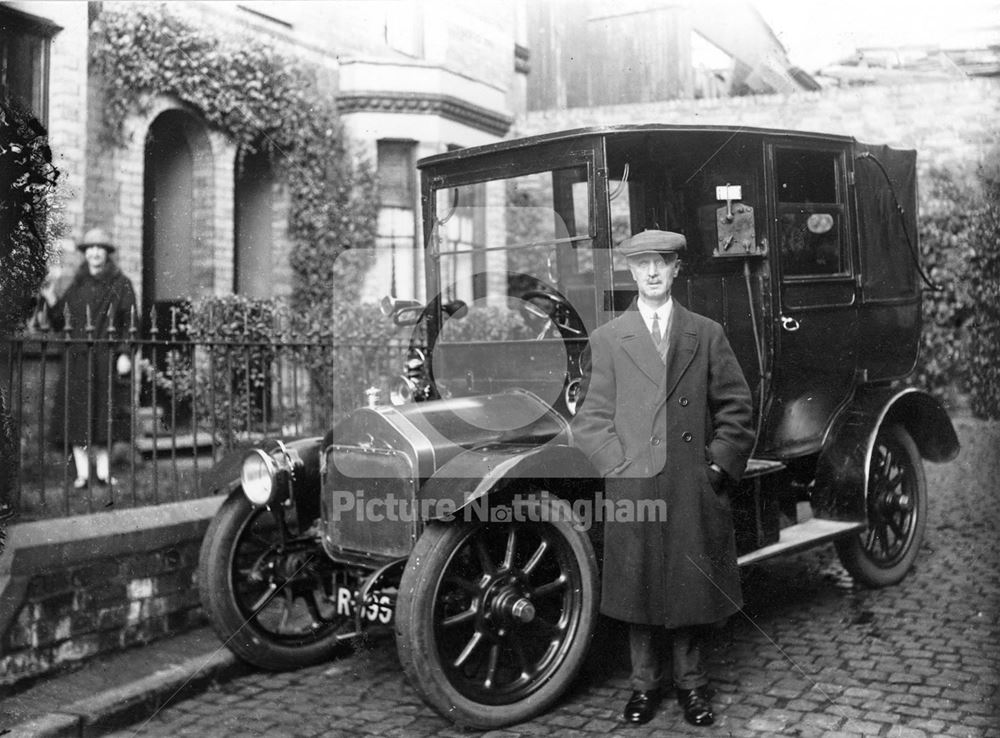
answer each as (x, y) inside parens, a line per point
(395, 174)
(397, 216)
(24, 60)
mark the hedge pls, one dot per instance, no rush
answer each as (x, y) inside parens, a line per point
(959, 231)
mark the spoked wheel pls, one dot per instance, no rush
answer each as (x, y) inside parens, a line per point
(267, 589)
(897, 512)
(494, 619)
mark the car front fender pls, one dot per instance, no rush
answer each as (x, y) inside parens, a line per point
(843, 465)
(472, 475)
(298, 462)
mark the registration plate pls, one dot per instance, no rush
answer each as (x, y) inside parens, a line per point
(377, 608)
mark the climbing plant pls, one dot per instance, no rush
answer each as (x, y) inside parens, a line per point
(27, 192)
(263, 100)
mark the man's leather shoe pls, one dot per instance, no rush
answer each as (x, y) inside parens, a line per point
(642, 706)
(697, 705)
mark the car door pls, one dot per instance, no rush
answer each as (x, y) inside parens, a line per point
(817, 313)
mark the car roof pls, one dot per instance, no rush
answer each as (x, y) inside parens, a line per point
(623, 131)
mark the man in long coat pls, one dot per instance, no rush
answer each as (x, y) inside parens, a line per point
(666, 416)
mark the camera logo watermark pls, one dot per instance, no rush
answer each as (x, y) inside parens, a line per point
(540, 507)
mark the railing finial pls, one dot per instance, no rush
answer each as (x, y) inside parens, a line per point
(112, 328)
(133, 328)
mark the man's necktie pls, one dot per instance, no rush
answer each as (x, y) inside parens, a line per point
(657, 334)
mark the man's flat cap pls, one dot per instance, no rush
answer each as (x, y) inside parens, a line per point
(650, 241)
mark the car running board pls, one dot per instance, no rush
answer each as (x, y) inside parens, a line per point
(801, 535)
(759, 467)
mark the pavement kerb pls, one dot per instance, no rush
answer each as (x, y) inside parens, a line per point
(138, 700)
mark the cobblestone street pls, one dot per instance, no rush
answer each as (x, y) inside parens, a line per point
(813, 656)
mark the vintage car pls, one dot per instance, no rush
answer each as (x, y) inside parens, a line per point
(460, 514)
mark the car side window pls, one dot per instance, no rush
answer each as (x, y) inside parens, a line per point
(810, 213)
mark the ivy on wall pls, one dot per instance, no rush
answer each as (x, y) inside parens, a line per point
(263, 100)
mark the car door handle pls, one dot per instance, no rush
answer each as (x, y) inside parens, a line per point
(789, 323)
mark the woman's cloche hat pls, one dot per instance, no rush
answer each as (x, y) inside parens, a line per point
(96, 237)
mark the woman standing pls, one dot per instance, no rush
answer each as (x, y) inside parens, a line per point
(96, 370)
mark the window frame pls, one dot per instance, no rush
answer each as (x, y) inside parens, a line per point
(15, 23)
(840, 208)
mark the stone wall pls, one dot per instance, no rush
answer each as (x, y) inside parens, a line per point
(951, 125)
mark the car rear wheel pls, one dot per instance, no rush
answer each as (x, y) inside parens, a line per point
(267, 589)
(494, 619)
(897, 512)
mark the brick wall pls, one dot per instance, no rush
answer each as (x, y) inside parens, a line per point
(950, 124)
(100, 605)
(67, 102)
(74, 587)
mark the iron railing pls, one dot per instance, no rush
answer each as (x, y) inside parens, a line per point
(190, 403)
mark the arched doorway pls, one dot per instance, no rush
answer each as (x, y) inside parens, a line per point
(177, 238)
(168, 219)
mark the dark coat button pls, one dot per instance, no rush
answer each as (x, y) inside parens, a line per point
(687, 437)
(655, 440)
(683, 401)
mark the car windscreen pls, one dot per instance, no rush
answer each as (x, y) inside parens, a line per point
(517, 252)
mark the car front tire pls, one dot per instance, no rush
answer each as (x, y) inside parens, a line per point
(494, 619)
(266, 592)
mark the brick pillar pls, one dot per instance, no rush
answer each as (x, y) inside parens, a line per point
(214, 229)
(67, 120)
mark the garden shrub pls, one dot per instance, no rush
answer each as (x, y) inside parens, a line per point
(947, 211)
(258, 366)
(959, 231)
(984, 287)
(221, 370)
(27, 222)
(28, 219)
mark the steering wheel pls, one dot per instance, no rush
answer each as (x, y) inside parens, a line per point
(558, 315)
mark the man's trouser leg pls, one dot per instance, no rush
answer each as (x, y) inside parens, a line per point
(686, 655)
(644, 649)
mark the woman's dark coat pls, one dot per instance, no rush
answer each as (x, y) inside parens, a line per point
(89, 369)
(651, 430)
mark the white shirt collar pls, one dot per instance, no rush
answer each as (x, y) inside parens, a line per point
(662, 313)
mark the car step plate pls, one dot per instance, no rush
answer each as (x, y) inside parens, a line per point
(801, 535)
